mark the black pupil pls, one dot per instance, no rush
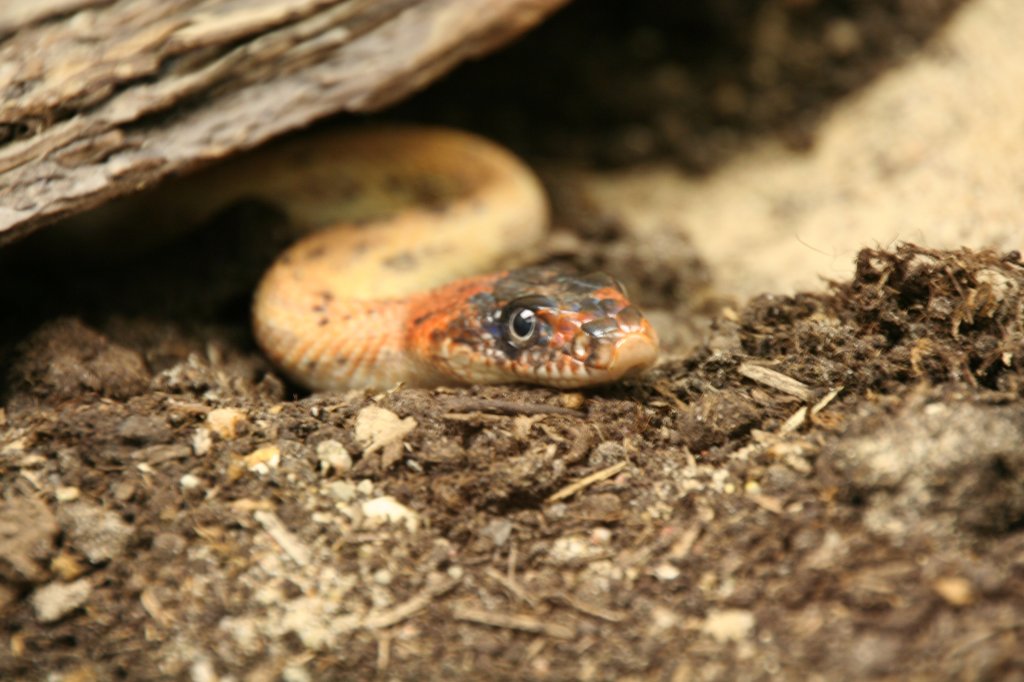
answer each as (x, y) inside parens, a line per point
(523, 323)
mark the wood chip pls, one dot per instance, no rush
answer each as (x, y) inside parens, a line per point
(776, 380)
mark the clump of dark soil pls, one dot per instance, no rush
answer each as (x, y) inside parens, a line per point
(909, 315)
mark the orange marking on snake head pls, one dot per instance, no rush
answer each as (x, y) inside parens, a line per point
(538, 325)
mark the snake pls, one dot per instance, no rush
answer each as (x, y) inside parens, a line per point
(410, 268)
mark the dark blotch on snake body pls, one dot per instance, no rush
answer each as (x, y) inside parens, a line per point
(325, 298)
(315, 253)
(406, 260)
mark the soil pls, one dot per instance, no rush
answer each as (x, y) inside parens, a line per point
(822, 486)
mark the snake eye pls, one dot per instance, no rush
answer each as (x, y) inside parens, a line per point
(521, 325)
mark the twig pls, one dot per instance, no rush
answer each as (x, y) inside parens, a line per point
(472, 417)
(513, 621)
(795, 421)
(661, 389)
(777, 380)
(586, 481)
(291, 545)
(588, 609)
(964, 647)
(823, 403)
(512, 585)
(506, 407)
(766, 502)
(387, 618)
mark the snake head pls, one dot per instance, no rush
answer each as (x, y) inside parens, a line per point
(546, 326)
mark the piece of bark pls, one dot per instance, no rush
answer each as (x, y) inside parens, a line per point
(104, 97)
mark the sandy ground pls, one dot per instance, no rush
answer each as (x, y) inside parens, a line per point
(931, 153)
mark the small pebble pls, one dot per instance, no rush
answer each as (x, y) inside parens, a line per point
(333, 457)
(262, 460)
(387, 509)
(666, 572)
(570, 549)
(955, 590)
(224, 421)
(342, 491)
(67, 493)
(729, 624)
(202, 441)
(573, 400)
(202, 670)
(190, 481)
(296, 673)
(68, 567)
(53, 601)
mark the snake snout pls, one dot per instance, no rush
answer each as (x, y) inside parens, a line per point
(638, 348)
(622, 349)
(621, 343)
(634, 353)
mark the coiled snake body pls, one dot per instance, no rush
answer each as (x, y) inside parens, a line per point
(392, 291)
